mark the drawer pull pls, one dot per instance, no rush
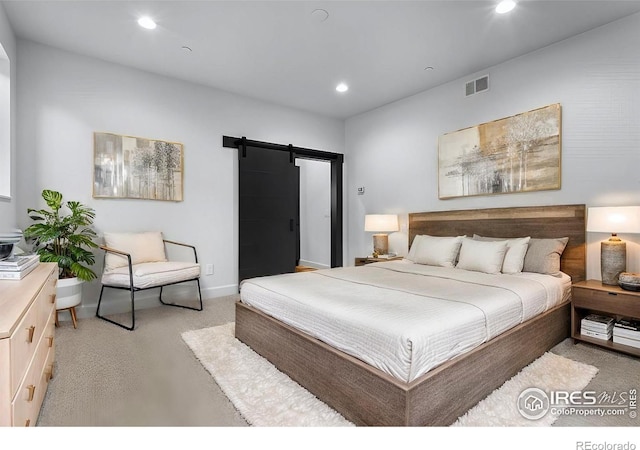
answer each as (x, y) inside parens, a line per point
(48, 375)
(50, 339)
(52, 297)
(27, 423)
(32, 330)
(612, 293)
(32, 391)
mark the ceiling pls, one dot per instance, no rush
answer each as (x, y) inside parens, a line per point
(279, 51)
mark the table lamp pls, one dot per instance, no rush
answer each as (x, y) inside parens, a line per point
(613, 253)
(381, 224)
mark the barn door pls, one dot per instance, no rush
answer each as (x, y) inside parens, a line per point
(268, 212)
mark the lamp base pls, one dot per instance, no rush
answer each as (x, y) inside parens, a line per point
(381, 244)
(613, 260)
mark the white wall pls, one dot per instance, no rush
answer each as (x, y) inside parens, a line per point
(64, 98)
(7, 161)
(392, 151)
(315, 213)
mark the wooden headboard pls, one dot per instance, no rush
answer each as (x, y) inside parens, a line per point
(537, 222)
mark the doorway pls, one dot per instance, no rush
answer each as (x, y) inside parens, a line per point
(269, 215)
(315, 214)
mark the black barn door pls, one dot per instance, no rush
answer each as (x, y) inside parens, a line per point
(268, 212)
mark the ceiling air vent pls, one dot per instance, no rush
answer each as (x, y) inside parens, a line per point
(479, 85)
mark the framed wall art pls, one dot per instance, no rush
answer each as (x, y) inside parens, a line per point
(520, 153)
(134, 167)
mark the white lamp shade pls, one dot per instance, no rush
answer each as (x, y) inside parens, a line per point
(381, 222)
(614, 219)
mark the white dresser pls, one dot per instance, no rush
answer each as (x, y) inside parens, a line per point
(27, 328)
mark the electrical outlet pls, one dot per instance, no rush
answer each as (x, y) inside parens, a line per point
(208, 269)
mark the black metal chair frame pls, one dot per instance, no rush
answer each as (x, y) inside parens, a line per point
(132, 289)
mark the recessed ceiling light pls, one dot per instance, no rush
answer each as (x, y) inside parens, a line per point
(428, 68)
(146, 22)
(505, 6)
(187, 49)
(342, 87)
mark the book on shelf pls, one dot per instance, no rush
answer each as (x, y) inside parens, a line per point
(597, 322)
(596, 334)
(18, 274)
(628, 324)
(17, 262)
(608, 331)
(625, 332)
(626, 341)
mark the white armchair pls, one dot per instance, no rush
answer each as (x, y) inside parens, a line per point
(138, 261)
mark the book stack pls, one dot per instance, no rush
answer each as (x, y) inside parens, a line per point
(627, 332)
(18, 266)
(597, 326)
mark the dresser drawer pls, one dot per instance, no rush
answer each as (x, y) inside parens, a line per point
(606, 301)
(30, 393)
(5, 383)
(28, 333)
(47, 300)
(23, 343)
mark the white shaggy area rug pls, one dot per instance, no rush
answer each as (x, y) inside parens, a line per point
(269, 398)
(549, 372)
(260, 392)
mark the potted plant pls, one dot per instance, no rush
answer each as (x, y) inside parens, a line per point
(64, 237)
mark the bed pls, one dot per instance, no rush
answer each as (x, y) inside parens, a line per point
(444, 384)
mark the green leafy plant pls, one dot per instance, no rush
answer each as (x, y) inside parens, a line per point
(64, 238)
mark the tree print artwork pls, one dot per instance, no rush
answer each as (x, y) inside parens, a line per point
(133, 167)
(516, 154)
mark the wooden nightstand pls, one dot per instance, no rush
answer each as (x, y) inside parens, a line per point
(369, 260)
(594, 297)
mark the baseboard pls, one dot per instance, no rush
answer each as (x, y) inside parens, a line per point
(316, 265)
(116, 301)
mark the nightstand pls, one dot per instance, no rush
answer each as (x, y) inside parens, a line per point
(592, 296)
(369, 260)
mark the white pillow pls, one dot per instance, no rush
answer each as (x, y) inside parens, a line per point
(516, 251)
(482, 256)
(435, 250)
(414, 247)
(143, 247)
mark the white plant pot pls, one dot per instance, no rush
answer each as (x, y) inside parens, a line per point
(68, 293)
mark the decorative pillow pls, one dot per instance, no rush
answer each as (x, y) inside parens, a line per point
(435, 250)
(414, 247)
(543, 255)
(482, 256)
(516, 251)
(143, 247)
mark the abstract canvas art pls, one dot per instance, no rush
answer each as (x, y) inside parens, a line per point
(519, 153)
(134, 167)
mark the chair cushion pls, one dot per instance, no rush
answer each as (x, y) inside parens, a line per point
(143, 247)
(146, 275)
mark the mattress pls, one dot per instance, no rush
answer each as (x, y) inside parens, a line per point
(404, 318)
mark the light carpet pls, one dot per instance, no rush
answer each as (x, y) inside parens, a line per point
(267, 397)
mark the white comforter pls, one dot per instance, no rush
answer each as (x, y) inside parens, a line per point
(400, 317)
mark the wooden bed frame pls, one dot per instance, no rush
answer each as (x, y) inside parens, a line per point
(367, 396)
